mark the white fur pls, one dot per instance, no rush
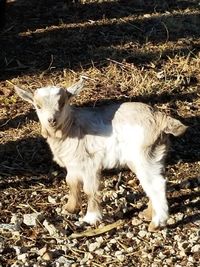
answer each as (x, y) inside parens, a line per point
(46, 91)
(87, 140)
(92, 217)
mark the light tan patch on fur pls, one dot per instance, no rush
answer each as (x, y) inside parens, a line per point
(147, 214)
(74, 199)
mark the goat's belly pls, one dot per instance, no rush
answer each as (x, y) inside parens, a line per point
(123, 146)
(112, 157)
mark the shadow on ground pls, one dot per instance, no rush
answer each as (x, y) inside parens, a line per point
(48, 35)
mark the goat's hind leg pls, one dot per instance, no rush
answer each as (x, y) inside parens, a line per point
(149, 172)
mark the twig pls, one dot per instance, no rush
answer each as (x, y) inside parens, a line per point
(10, 83)
(131, 25)
(166, 31)
(118, 181)
(5, 123)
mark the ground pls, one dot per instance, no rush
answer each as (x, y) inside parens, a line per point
(138, 50)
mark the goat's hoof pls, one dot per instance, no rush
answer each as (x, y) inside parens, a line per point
(69, 209)
(145, 215)
(153, 228)
(92, 218)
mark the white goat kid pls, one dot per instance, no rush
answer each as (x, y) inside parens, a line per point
(87, 140)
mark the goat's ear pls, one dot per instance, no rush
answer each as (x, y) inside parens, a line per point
(76, 88)
(26, 95)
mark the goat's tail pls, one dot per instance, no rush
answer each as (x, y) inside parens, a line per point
(171, 125)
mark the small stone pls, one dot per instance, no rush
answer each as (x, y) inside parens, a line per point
(22, 257)
(195, 248)
(93, 246)
(51, 228)
(129, 235)
(63, 261)
(142, 233)
(113, 241)
(118, 252)
(42, 251)
(51, 200)
(161, 256)
(131, 182)
(55, 173)
(130, 249)
(48, 256)
(171, 221)
(31, 219)
(121, 257)
(58, 210)
(100, 240)
(107, 248)
(179, 217)
(136, 222)
(168, 261)
(99, 251)
(16, 220)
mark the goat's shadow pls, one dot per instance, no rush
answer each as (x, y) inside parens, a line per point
(185, 201)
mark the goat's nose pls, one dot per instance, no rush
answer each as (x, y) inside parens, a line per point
(52, 121)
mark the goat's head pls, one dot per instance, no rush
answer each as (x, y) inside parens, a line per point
(51, 104)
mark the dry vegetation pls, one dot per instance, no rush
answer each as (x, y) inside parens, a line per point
(131, 50)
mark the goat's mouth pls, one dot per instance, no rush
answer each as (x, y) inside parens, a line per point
(53, 125)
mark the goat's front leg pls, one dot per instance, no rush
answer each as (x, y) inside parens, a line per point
(91, 188)
(74, 199)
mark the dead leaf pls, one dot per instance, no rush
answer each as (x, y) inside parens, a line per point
(97, 231)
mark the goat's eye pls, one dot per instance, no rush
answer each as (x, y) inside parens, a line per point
(38, 106)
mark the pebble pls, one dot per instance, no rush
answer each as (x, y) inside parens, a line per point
(63, 261)
(179, 217)
(171, 221)
(47, 256)
(130, 249)
(118, 252)
(22, 257)
(113, 241)
(16, 220)
(195, 248)
(31, 218)
(142, 233)
(121, 257)
(51, 200)
(51, 228)
(93, 246)
(136, 222)
(130, 235)
(99, 251)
